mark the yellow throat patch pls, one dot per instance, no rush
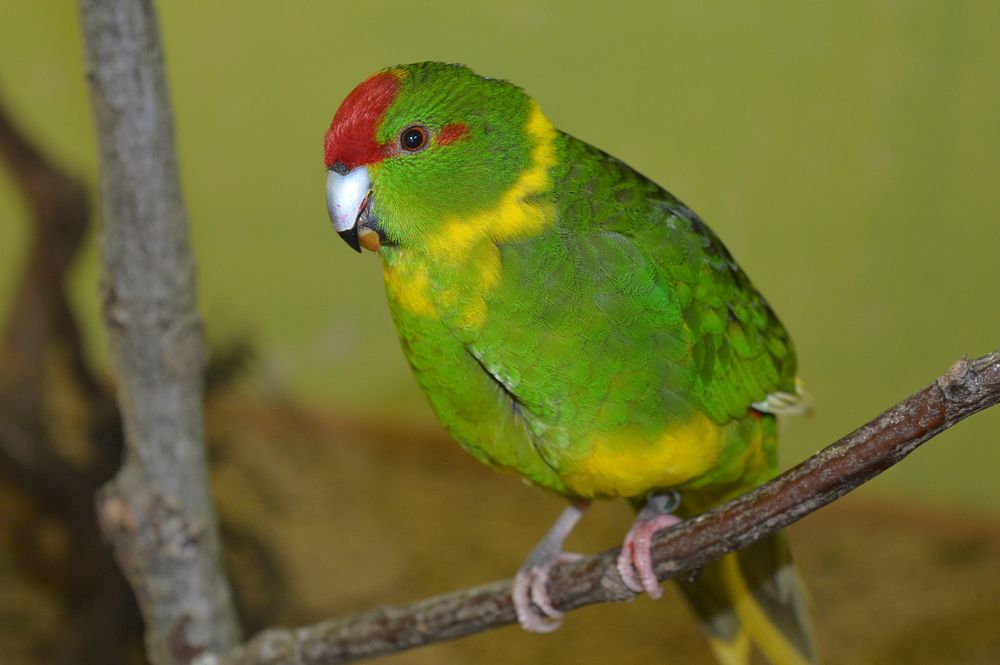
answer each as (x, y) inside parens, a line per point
(472, 239)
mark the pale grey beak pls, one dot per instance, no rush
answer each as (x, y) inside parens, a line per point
(348, 199)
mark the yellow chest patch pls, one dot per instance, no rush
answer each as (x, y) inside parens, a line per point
(408, 286)
(459, 299)
(627, 464)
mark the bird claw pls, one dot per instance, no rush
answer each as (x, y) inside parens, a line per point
(635, 563)
(530, 591)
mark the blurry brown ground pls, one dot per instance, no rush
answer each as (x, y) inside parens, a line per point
(327, 515)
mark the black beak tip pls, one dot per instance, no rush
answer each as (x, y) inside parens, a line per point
(350, 236)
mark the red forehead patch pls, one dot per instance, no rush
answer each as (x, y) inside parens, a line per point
(351, 137)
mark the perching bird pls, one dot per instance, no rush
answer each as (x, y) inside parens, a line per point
(573, 321)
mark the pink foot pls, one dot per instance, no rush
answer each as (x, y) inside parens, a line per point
(530, 591)
(530, 584)
(635, 565)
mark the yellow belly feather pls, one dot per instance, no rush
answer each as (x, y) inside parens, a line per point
(628, 464)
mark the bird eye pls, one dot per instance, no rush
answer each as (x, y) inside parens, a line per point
(413, 138)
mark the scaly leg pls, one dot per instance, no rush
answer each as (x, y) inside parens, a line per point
(533, 576)
(635, 565)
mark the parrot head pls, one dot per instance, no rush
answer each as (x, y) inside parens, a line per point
(415, 146)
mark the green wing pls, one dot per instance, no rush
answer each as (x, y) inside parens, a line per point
(739, 352)
(627, 314)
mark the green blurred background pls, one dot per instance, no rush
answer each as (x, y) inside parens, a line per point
(847, 153)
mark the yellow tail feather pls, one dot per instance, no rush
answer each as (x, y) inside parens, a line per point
(754, 598)
(766, 635)
(731, 652)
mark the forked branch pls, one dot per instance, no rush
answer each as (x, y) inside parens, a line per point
(157, 512)
(967, 388)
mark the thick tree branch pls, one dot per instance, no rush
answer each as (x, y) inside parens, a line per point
(968, 387)
(157, 512)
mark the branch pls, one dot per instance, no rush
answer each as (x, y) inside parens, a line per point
(968, 387)
(157, 512)
(98, 618)
(39, 312)
(39, 316)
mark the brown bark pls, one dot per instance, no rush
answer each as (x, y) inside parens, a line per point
(967, 388)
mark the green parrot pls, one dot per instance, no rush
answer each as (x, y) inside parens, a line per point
(571, 320)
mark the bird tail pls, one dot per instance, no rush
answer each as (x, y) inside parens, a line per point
(754, 597)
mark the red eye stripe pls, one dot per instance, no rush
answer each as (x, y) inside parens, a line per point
(351, 137)
(452, 132)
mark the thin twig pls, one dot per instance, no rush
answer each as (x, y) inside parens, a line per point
(157, 512)
(968, 387)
